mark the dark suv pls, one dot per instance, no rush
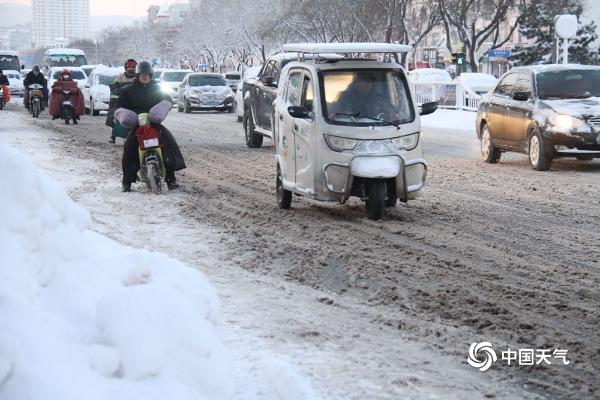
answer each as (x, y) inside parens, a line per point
(545, 111)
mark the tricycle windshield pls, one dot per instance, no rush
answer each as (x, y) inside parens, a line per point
(365, 97)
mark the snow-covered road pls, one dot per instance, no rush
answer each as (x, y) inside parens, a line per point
(381, 310)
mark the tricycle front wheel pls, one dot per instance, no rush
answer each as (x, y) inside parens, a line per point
(375, 198)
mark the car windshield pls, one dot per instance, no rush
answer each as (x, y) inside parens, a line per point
(174, 76)
(362, 97)
(568, 84)
(208, 80)
(88, 71)
(105, 79)
(66, 60)
(9, 62)
(74, 75)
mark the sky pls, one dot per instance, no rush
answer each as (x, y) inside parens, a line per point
(113, 7)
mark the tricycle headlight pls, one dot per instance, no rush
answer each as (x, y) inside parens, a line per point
(564, 122)
(407, 142)
(340, 144)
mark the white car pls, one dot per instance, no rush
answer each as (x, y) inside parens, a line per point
(170, 79)
(250, 73)
(204, 91)
(77, 74)
(477, 82)
(15, 82)
(89, 68)
(429, 75)
(96, 93)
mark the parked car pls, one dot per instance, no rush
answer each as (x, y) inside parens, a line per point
(15, 82)
(232, 78)
(96, 91)
(545, 111)
(477, 82)
(170, 79)
(250, 73)
(204, 91)
(429, 75)
(348, 128)
(77, 74)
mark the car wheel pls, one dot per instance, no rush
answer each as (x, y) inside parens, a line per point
(540, 157)
(253, 139)
(187, 108)
(489, 152)
(93, 111)
(392, 196)
(284, 196)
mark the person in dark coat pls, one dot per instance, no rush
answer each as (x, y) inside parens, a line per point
(145, 96)
(3, 79)
(119, 84)
(34, 76)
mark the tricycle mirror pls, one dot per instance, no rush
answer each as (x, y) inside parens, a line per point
(268, 81)
(428, 108)
(521, 96)
(298, 112)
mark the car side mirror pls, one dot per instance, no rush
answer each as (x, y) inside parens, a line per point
(268, 81)
(428, 108)
(521, 96)
(299, 112)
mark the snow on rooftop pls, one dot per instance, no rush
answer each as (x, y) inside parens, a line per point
(316, 48)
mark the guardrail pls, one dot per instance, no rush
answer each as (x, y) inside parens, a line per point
(448, 95)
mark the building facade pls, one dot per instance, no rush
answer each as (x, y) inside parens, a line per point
(58, 22)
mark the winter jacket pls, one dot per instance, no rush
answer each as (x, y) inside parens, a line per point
(3, 80)
(121, 80)
(31, 78)
(140, 98)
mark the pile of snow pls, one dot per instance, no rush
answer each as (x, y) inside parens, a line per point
(429, 75)
(83, 317)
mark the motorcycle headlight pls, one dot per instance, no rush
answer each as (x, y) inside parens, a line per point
(407, 142)
(564, 122)
(340, 144)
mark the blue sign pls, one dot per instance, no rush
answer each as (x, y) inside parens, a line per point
(499, 53)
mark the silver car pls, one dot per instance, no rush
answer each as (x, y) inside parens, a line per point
(204, 91)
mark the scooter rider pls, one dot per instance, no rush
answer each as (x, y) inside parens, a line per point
(76, 97)
(119, 83)
(34, 76)
(145, 96)
(3, 79)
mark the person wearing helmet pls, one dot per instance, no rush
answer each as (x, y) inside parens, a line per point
(34, 76)
(119, 83)
(66, 83)
(146, 96)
